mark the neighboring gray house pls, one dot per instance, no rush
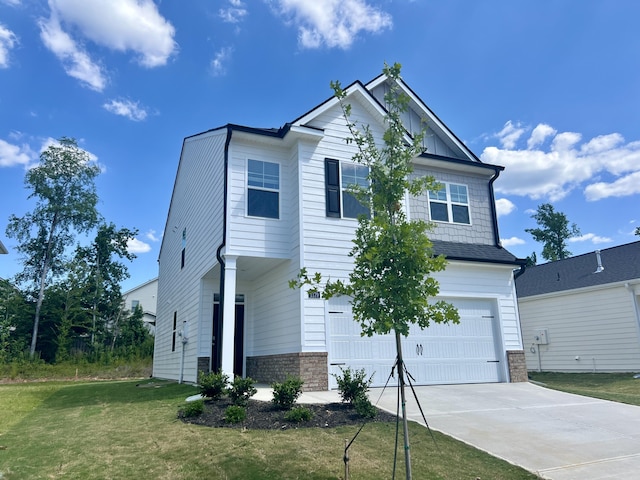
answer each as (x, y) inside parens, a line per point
(3, 249)
(582, 314)
(251, 206)
(145, 296)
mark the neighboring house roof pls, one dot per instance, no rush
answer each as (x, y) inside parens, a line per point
(620, 264)
(472, 252)
(138, 287)
(3, 249)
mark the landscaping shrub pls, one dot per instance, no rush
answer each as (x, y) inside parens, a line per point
(364, 407)
(352, 385)
(286, 393)
(213, 385)
(235, 414)
(298, 414)
(241, 390)
(192, 409)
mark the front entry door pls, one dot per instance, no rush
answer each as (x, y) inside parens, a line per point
(238, 339)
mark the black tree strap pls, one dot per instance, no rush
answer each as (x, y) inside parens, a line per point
(409, 377)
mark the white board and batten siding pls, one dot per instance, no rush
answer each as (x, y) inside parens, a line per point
(593, 329)
(199, 179)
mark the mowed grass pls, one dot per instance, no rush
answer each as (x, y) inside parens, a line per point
(129, 430)
(617, 387)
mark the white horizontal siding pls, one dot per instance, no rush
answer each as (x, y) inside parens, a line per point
(260, 237)
(273, 322)
(197, 206)
(598, 326)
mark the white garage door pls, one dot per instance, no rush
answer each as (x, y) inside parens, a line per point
(440, 354)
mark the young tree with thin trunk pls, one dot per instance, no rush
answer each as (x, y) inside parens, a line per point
(65, 193)
(553, 232)
(391, 284)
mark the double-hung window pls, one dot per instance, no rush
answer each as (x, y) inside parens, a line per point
(339, 177)
(450, 204)
(263, 189)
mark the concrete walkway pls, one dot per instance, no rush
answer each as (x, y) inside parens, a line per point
(557, 435)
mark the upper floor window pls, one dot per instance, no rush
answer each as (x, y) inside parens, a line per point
(263, 189)
(339, 177)
(134, 305)
(450, 204)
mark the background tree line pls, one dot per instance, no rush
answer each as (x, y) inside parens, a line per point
(66, 303)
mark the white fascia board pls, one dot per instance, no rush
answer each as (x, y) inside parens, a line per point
(434, 121)
(355, 89)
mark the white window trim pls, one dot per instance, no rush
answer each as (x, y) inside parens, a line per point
(263, 189)
(450, 204)
(345, 188)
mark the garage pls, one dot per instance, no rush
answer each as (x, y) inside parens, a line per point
(441, 354)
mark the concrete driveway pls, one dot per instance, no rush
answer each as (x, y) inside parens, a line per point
(557, 435)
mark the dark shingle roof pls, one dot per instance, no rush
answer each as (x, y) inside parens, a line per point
(620, 264)
(474, 252)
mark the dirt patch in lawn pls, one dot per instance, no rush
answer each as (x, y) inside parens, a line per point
(265, 416)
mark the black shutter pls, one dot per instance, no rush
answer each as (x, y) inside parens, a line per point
(332, 187)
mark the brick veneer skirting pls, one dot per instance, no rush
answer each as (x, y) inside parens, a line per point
(517, 366)
(311, 367)
(203, 364)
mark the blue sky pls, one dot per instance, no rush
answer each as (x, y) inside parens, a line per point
(549, 89)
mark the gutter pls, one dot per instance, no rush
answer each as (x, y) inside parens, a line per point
(222, 245)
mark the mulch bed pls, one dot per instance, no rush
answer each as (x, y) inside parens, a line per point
(265, 416)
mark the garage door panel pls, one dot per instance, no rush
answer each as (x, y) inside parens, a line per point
(463, 353)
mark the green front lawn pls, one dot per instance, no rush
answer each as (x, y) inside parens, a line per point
(128, 429)
(618, 387)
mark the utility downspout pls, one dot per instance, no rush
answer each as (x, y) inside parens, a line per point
(494, 213)
(631, 289)
(222, 245)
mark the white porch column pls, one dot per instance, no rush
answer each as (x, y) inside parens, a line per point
(229, 314)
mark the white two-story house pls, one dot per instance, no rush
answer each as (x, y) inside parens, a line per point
(252, 206)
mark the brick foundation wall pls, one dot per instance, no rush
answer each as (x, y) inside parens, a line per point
(203, 364)
(311, 367)
(517, 366)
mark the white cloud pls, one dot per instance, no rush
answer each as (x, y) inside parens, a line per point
(625, 186)
(539, 135)
(220, 60)
(126, 108)
(510, 134)
(590, 237)
(333, 23)
(13, 3)
(151, 235)
(565, 164)
(137, 246)
(504, 207)
(76, 61)
(233, 14)
(8, 40)
(120, 25)
(11, 155)
(510, 242)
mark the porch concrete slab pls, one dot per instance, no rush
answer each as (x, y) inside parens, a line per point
(557, 435)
